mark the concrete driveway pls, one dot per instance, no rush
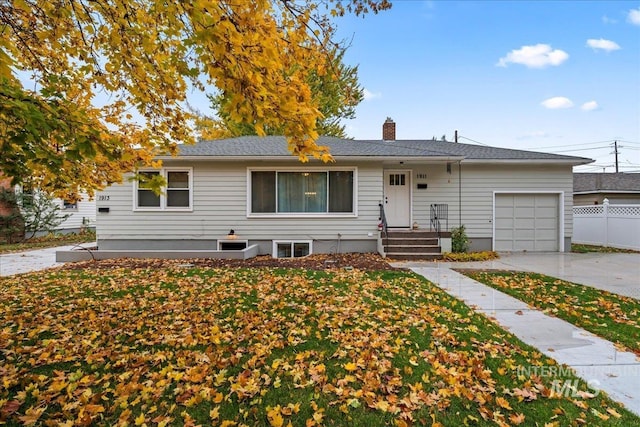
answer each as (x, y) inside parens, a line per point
(613, 272)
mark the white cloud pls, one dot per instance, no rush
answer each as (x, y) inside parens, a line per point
(607, 20)
(589, 106)
(603, 44)
(368, 95)
(634, 16)
(535, 56)
(557, 102)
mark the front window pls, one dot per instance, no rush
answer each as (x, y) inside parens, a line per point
(178, 189)
(302, 192)
(175, 196)
(147, 198)
(296, 192)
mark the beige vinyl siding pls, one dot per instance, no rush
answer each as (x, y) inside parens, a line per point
(220, 204)
(442, 188)
(479, 182)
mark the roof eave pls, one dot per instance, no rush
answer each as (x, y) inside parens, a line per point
(576, 162)
(294, 158)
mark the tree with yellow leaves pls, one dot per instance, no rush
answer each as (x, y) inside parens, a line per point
(336, 93)
(90, 89)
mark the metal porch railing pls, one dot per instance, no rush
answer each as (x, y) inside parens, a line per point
(439, 214)
(382, 225)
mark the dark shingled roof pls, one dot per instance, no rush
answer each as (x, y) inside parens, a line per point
(276, 146)
(596, 182)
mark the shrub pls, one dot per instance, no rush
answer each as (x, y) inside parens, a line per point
(40, 212)
(459, 240)
(470, 256)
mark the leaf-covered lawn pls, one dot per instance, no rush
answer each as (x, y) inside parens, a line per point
(187, 346)
(581, 249)
(48, 241)
(611, 316)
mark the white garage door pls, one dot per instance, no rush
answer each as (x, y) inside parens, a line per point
(526, 222)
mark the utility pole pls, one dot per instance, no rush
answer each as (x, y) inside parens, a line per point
(615, 151)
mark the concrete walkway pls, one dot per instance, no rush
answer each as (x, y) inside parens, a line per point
(35, 260)
(594, 359)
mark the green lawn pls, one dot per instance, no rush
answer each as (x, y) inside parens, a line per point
(188, 346)
(613, 317)
(581, 249)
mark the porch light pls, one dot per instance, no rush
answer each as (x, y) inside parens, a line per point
(232, 235)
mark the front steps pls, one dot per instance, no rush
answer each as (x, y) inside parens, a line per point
(412, 245)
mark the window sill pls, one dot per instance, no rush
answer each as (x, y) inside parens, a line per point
(302, 216)
(163, 210)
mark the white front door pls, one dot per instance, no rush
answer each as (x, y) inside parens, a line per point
(397, 198)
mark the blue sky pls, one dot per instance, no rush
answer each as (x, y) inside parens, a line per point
(549, 76)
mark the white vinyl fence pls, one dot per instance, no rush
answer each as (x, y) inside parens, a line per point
(617, 226)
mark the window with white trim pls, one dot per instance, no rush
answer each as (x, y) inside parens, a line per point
(291, 248)
(69, 205)
(176, 195)
(290, 192)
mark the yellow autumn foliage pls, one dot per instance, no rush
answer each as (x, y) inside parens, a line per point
(92, 89)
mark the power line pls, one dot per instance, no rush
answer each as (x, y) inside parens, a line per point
(570, 145)
(473, 140)
(581, 149)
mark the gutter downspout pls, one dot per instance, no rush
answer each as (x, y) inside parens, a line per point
(459, 193)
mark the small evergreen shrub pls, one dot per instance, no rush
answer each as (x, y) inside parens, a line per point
(40, 212)
(459, 240)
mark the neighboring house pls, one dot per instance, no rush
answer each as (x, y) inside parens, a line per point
(592, 188)
(508, 200)
(82, 214)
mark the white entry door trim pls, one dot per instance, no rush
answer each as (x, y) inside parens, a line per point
(560, 195)
(398, 198)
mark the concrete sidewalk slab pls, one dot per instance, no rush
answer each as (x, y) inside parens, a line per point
(594, 359)
(462, 287)
(34, 260)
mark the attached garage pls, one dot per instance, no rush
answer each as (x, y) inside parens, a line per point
(527, 222)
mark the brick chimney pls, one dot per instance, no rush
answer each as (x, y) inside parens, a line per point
(389, 130)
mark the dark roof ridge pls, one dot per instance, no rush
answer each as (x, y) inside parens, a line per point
(275, 146)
